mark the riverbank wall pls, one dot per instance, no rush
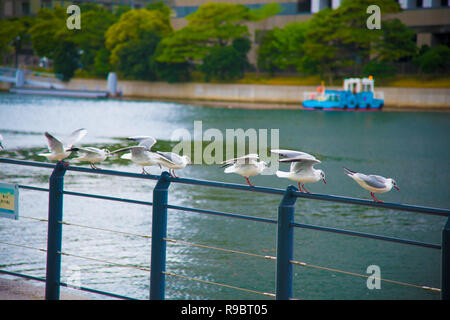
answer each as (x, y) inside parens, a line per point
(250, 95)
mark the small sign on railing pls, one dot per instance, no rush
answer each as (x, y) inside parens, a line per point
(9, 201)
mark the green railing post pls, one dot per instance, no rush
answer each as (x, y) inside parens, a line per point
(285, 245)
(445, 271)
(54, 235)
(159, 233)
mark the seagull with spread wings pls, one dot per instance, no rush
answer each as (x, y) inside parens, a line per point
(246, 166)
(91, 155)
(142, 153)
(59, 150)
(302, 168)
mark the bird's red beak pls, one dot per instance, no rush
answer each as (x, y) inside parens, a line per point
(323, 179)
(397, 188)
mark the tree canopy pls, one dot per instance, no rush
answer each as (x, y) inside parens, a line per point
(213, 24)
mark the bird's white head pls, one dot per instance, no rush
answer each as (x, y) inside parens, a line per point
(187, 159)
(394, 184)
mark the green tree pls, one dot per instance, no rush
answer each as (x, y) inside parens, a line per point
(221, 63)
(267, 53)
(135, 58)
(396, 42)
(50, 37)
(227, 62)
(132, 26)
(213, 24)
(338, 39)
(90, 40)
(14, 34)
(434, 60)
(48, 31)
(283, 49)
(65, 60)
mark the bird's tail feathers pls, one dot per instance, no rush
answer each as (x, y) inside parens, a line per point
(282, 174)
(230, 169)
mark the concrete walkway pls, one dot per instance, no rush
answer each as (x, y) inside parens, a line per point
(23, 289)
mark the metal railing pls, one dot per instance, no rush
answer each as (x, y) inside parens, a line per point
(285, 230)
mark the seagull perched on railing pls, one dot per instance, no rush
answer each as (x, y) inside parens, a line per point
(61, 150)
(141, 154)
(302, 168)
(373, 183)
(246, 166)
(91, 155)
(173, 161)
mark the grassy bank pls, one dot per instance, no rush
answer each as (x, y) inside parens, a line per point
(400, 81)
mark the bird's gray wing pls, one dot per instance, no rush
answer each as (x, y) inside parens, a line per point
(86, 150)
(135, 150)
(247, 159)
(302, 164)
(170, 157)
(291, 154)
(372, 180)
(54, 145)
(145, 141)
(74, 137)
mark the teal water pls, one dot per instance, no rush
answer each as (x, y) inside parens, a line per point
(411, 147)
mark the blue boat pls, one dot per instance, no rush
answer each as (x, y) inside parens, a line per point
(358, 95)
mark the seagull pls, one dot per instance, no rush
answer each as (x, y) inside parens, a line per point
(246, 166)
(302, 168)
(91, 155)
(61, 150)
(373, 183)
(1, 139)
(173, 161)
(141, 154)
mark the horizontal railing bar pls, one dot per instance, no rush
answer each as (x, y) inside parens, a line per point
(370, 203)
(366, 235)
(81, 169)
(68, 285)
(21, 186)
(97, 196)
(224, 214)
(323, 197)
(227, 185)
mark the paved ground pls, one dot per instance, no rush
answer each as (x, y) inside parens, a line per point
(23, 289)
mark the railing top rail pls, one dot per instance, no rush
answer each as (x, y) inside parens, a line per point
(226, 185)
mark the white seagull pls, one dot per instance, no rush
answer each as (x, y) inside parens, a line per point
(302, 168)
(91, 155)
(373, 183)
(173, 161)
(61, 150)
(141, 154)
(1, 139)
(246, 166)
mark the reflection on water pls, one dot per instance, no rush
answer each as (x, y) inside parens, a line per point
(413, 148)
